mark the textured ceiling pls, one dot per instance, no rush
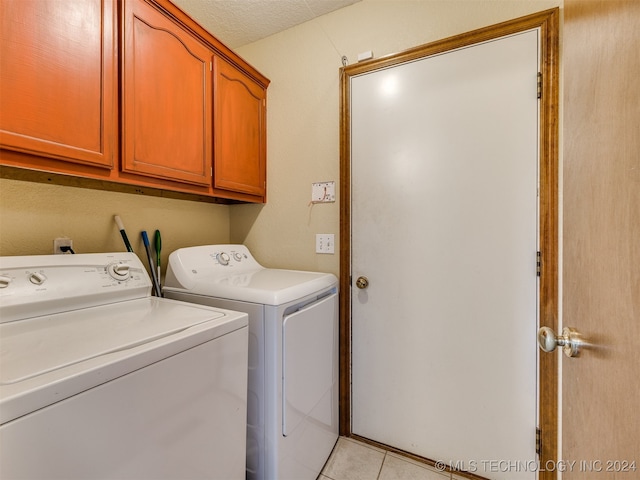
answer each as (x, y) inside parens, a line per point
(239, 22)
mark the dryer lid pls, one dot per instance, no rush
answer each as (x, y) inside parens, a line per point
(266, 286)
(231, 272)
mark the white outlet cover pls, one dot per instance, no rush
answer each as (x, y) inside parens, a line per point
(323, 192)
(61, 242)
(325, 243)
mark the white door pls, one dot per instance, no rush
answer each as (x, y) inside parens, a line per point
(444, 168)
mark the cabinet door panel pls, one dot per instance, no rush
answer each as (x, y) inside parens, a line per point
(239, 124)
(58, 81)
(167, 99)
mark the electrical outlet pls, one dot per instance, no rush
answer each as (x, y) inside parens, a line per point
(325, 243)
(58, 243)
(323, 192)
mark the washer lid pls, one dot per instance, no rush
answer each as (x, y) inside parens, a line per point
(46, 359)
(264, 286)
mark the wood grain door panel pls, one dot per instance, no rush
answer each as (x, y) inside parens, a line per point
(239, 131)
(601, 260)
(58, 88)
(167, 99)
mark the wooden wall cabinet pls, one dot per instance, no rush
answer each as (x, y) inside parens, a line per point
(58, 81)
(166, 107)
(239, 131)
(192, 113)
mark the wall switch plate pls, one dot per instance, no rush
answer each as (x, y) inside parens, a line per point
(325, 243)
(323, 192)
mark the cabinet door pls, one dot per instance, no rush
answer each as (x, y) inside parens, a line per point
(166, 106)
(239, 131)
(58, 80)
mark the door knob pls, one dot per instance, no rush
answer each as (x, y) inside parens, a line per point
(362, 282)
(570, 340)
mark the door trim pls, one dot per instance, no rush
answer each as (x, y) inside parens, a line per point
(548, 23)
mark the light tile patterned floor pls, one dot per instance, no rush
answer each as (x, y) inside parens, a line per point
(353, 460)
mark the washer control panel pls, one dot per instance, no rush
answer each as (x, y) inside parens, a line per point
(47, 284)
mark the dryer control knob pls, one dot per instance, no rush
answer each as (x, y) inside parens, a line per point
(223, 259)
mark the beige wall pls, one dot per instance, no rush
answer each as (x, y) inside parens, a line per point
(303, 109)
(33, 214)
(303, 145)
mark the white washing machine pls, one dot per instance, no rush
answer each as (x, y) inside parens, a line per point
(99, 380)
(292, 415)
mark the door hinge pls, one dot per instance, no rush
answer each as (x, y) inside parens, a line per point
(538, 263)
(538, 441)
(539, 85)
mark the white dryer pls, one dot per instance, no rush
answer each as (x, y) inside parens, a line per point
(101, 380)
(292, 415)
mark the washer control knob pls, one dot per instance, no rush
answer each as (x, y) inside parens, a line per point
(237, 256)
(223, 258)
(119, 271)
(37, 278)
(5, 281)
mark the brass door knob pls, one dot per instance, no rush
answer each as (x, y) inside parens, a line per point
(362, 282)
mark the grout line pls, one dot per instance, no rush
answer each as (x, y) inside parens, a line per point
(382, 465)
(446, 475)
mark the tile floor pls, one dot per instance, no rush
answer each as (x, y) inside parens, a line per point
(353, 460)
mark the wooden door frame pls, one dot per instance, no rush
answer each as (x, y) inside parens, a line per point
(548, 23)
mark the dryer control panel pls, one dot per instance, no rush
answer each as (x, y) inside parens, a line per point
(224, 257)
(208, 262)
